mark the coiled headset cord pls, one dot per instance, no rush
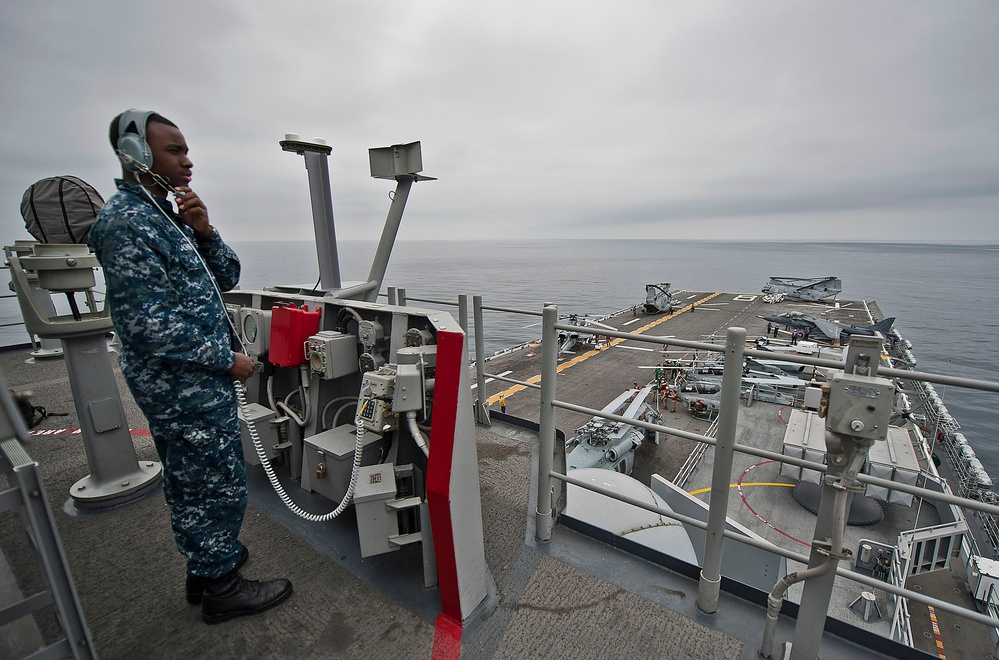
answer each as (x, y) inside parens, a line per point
(272, 477)
(244, 407)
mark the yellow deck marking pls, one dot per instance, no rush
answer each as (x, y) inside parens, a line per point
(755, 483)
(579, 358)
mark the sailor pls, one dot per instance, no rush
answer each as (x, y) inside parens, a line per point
(769, 327)
(502, 402)
(161, 268)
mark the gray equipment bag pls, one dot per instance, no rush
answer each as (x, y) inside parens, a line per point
(60, 209)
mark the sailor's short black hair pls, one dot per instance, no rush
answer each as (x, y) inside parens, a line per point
(113, 129)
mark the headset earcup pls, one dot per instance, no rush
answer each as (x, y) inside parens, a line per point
(136, 148)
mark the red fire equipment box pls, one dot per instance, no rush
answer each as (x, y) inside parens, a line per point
(290, 328)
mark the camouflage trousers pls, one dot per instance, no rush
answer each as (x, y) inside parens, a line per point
(204, 482)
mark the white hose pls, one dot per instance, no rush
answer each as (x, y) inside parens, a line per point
(291, 413)
(276, 484)
(284, 407)
(414, 430)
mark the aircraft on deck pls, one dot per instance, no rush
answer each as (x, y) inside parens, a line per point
(805, 288)
(570, 340)
(611, 445)
(658, 299)
(831, 330)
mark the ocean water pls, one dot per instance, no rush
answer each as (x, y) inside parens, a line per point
(943, 296)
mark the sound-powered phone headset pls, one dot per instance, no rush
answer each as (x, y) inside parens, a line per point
(132, 149)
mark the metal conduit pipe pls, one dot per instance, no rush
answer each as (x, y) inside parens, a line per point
(776, 597)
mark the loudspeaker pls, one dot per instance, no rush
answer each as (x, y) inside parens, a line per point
(133, 150)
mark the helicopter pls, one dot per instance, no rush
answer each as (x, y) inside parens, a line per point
(611, 445)
(658, 299)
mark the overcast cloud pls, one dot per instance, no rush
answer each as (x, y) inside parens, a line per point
(837, 120)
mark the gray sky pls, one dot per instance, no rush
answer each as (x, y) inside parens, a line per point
(629, 119)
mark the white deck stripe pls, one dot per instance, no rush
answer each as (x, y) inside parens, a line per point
(489, 380)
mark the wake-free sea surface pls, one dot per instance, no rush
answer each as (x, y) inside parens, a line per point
(943, 296)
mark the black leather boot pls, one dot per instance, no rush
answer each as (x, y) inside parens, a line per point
(196, 583)
(233, 595)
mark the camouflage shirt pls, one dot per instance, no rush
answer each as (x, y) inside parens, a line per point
(174, 333)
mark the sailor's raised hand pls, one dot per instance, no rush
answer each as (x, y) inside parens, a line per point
(194, 211)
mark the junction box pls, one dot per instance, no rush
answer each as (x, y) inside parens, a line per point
(327, 459)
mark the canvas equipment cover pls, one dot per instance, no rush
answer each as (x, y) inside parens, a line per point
(60, 209)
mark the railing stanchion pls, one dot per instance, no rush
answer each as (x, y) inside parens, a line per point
(482, 401)
(546, 434)
(710, 581)
(463, 312)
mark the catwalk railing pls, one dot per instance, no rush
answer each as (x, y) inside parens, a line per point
(722, 440)
(724, 447)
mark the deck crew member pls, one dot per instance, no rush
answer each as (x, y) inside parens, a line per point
(176, 355)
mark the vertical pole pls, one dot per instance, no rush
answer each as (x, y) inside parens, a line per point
(463, 312)
(863, 355)
(710, 582)
(380, 262)
(317, 164)
(546, 434)
(817, 591)
(482, 407)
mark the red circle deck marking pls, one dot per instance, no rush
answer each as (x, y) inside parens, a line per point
(780, 415)
(758, 516)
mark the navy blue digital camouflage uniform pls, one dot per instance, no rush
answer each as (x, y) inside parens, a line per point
(175, 357)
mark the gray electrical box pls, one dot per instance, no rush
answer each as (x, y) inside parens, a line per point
(813, 398)
(399, 159)
(860, 406)
(327, 459)
(331, 354)
(261, 418)
(375, 521)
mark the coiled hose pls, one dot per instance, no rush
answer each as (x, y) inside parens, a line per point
(272, 477)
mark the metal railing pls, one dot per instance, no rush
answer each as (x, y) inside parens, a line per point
(25, 493)
(725, 447)
(809, 629)
(710, 575)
